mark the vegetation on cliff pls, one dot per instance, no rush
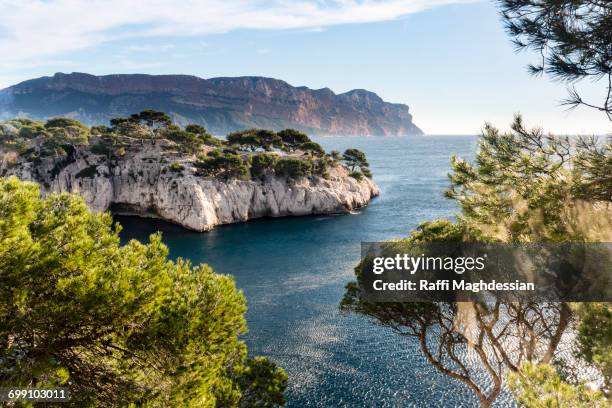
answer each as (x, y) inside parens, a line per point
(251, 153)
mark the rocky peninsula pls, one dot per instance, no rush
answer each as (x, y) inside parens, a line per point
(147, 166)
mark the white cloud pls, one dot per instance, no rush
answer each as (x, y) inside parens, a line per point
(42, 29)
(150, 48)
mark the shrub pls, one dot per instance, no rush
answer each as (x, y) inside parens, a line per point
(66, 130)
(253, 139)
(261, 163)
(188, 142)
(312, 148)
(335, 156)
(356, 175)
(176, 167)
(222, 165)
(321, 167)
(88, 172)
(294, 168)
(101, 148)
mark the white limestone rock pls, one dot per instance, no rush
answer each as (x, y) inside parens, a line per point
(140, 183)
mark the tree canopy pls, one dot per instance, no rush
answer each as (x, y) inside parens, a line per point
(151, 118)
(572, 37)
(292, 138)
(524, 186)
(223, 165)
(117, 324)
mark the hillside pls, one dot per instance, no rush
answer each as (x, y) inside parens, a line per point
(220, 104)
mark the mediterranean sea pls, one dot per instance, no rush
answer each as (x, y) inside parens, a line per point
(293, 272)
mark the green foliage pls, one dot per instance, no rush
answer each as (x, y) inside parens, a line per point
(571, 38)
(595, 338)
(335, 156)
(294, 168)
(222, 165)
(176, 167)
(151, 118)
(312, 148)
(196, 129)
(262, 163)
(539, 386)
(88, 172)
(64, 123)
(356, 159)
(119, 325)
(593, 170)
(244, 139)
(356, 175)
(293, 139)
(262, 383)
(321, 167)
(524, 185)
(100, 130)
(65, 130)
(188, 142)
(203, 135)
(10, 140)
(254, 139)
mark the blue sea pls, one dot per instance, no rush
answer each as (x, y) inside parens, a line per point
(293, 272)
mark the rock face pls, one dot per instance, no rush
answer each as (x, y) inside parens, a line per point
(141, 183)
(219, 104)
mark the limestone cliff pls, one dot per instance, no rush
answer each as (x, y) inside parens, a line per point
(141, 182)
(221, 105)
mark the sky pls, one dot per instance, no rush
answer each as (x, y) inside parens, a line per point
(449, 60)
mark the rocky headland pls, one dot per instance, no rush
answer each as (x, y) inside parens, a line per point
(185, 177)
(221, 105)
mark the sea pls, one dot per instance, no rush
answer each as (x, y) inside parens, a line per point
(293, 272)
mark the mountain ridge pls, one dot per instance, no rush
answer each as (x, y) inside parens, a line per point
(222, 104)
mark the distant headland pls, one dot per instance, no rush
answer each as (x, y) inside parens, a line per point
(221, 105)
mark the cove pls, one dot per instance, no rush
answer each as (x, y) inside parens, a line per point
(293, 272)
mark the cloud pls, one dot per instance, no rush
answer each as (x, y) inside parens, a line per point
(150, 48)
(35, 30)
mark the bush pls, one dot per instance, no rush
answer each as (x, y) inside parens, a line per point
(312, 148)
(321, 167)
(294, 168)
(356, 175)
(188, 142)
(176, 167)
(101, 148)
(66, 130)
(262, 163)
(88, 172)
(253, 139)
(222, 165)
